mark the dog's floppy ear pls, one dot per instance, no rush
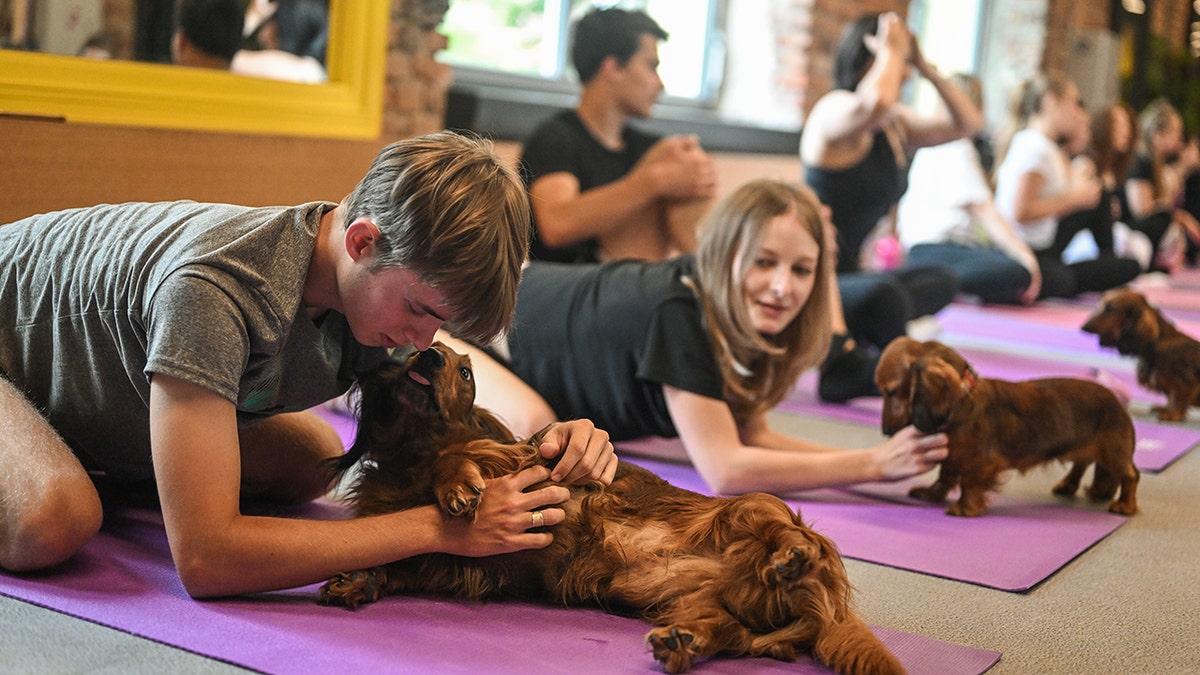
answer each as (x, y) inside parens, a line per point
(894, 380)
(1141, 328)
(936, 391)
(376, 406)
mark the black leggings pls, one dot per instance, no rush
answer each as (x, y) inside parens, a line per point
(879, 305)
(1062, 280)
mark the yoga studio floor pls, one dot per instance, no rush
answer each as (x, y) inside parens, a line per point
(1039, 585)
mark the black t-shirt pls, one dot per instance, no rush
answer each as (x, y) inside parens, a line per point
(599, 341)
(563, 143)
(1142, 169)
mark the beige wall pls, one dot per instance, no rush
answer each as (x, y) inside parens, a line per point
(55, 165)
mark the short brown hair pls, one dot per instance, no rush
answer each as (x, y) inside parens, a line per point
(451, 210)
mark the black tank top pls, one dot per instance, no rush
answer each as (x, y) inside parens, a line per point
(858, 196)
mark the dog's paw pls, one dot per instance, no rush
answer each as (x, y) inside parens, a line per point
(964, 510)
(788, 565)
(927, 494)
(674, 648)
(1169, 412)
(460, 500)
(350, 589)
(1123, 508)
(1066, 488)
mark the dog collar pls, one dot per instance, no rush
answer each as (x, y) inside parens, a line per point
(970, 378)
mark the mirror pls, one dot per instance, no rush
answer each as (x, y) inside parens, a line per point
(348, 105)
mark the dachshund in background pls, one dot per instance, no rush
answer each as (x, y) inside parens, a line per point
(995, 425)
(733, 576)
(1168, 360)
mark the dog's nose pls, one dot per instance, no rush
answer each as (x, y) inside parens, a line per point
(432, 358)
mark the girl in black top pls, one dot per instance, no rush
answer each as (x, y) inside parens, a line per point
(1154, 186)
(699, 347)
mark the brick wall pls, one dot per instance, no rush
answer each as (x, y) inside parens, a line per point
(826, 21)
(417, 85)
(1065, 16)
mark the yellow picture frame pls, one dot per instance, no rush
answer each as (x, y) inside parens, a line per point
(349, 105)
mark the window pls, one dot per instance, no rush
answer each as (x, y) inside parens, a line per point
(529, 39)
(948, 32)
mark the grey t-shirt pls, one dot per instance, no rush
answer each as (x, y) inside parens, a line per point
(94, 301)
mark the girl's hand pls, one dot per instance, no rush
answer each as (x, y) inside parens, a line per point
(908, 453)
(892, 35)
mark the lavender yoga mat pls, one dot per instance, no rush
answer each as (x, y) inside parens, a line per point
(124, 579)
(1015, 546)
(1159, 444)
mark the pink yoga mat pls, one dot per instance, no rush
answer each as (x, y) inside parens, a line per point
(124, 579)
(1015, 546)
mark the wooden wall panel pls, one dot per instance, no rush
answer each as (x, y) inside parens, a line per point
(49, 165)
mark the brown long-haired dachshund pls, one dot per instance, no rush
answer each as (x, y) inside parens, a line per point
(1168, 360)
(995, 425)
(733, 576)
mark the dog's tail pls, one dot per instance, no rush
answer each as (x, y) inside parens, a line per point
(850, 648)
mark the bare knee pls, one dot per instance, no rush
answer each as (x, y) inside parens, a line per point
(52, 530)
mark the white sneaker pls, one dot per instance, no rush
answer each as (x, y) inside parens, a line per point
(923, 328)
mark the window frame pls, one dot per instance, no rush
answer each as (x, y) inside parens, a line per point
(508, 106)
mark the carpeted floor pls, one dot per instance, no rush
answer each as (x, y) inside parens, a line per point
(1127, 605)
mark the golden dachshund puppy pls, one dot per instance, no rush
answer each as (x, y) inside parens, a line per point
(893, 376)
(732, 576)
(1168, 360)
(994, 425)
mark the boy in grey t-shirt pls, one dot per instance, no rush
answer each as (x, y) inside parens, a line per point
(183, 342)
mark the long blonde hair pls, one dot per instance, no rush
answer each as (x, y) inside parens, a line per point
(759, 370)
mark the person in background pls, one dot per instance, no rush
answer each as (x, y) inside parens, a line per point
(601, 188)
(947, 216)
(699, 347)
(1154, 188)
(285, 40)
(209, 33)
(1102, 151)
(854, 149)
(1038, 192)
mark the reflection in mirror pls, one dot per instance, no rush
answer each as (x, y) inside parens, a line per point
(129, 93)
(278, 39)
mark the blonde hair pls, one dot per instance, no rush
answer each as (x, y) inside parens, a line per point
(1026, 101)
(451, 210)
(1156, 116)
(759, 370)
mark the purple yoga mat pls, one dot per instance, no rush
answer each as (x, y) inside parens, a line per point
(1159, 444)
(124, 579)
(1013, 547)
